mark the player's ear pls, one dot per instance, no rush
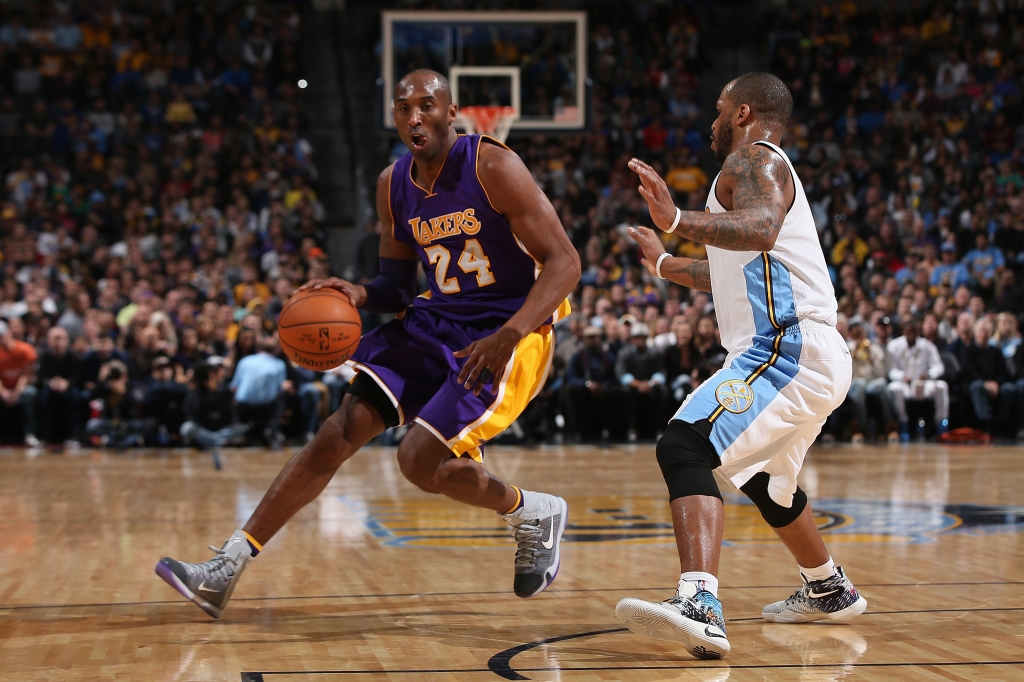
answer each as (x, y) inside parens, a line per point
(743, 114)
(453, 109)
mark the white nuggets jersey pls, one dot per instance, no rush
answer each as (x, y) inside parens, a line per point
(788, 367)
(780, 287)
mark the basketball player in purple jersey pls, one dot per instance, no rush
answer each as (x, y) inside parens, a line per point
(459, 363)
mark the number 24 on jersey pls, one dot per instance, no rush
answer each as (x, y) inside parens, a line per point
(472, 261)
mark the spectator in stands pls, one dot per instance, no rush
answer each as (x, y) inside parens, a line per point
(950, 272)
(592, 394)
(641, 371)
(984, 263)
(682, 359)
(1006, 337)
(58, 407)
(118, 423)
(103, 351)
(303, 392)
(209, 410)
(257, 383)
(964, 337)
(17, 394)
(915, 371)
(930, 331)
(988, 381)
(870, 379)
(706, 339)
(164, 401)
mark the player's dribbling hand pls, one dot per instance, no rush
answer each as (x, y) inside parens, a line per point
(655, 191)
(487, 359)
(356, 292)
(650, 244)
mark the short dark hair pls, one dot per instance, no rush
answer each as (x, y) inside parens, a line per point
(766, 95)
(442, 82)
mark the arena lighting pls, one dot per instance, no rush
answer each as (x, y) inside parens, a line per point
(302, 84)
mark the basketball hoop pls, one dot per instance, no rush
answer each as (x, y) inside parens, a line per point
(495, 121)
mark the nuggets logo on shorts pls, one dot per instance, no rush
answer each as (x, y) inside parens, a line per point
(735, 396)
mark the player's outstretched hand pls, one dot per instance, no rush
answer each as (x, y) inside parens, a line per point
(356, 292)
(655, 191)
(650, 244)
(487, 359)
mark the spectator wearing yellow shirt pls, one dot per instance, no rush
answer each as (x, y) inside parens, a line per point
(936, 27)
(135, 59)
(299, 191)
(850, 241)
(250, 286)
(180, 110)
(685, 175)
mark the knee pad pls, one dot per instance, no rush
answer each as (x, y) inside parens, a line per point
(686, 457)
(774, 513)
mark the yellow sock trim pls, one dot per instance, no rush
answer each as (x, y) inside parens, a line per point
(519, 498)
(258, 546)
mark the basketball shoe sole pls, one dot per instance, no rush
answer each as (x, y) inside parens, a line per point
(661, 621)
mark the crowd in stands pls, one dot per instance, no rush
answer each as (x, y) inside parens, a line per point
(906, 134)
(159, 206)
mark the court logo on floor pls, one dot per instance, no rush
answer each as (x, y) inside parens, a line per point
(630, 519)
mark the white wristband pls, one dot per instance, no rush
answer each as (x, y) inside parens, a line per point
(657, 268)
(675, 223)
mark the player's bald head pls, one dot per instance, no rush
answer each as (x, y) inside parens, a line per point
(427, 80)
(767, 96)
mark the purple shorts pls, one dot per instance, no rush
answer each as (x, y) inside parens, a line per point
(412, 360)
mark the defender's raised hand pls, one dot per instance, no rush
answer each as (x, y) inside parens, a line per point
(655, 191)
(650, 244)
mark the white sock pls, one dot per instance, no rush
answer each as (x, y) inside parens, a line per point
(702, 581)
(823, 572)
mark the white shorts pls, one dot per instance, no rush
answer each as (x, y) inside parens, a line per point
(768, 403)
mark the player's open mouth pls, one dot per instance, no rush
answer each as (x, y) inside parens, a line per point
(418, 141)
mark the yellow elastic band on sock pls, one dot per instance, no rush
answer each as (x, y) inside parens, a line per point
(258, 546)
(519, 498)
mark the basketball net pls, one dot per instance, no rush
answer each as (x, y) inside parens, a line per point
(495, 121)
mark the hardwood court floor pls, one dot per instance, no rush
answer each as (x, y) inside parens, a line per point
(377, 581)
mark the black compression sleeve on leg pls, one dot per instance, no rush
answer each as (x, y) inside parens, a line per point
(686, 457)
(774, 513)
(367, 390)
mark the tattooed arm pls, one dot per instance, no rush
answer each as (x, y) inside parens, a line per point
(691, 273)
(754, 186)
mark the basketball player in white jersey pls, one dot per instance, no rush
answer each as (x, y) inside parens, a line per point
(787, 370)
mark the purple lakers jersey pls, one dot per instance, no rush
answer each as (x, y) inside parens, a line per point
(478, 272)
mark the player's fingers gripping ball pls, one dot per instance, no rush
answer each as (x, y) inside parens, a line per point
(319, 329)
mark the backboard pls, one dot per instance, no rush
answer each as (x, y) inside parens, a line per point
(534, 62)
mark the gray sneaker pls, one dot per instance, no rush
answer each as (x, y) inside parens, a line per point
(210, 584)
(834, 599)
(537, 528)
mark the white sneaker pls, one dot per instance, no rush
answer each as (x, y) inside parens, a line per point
(834, 599)
(692, 618)
(538, 528)
(31, 440)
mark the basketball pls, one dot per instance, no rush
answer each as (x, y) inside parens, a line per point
(319, 329)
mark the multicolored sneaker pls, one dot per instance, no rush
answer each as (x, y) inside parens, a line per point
(834, 599)
(537, 527)
(693, 618)
(210, 584)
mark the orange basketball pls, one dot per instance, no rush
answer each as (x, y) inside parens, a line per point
(319, 330)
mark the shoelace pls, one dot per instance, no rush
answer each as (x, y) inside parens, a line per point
(527, 535)
(218, 565)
